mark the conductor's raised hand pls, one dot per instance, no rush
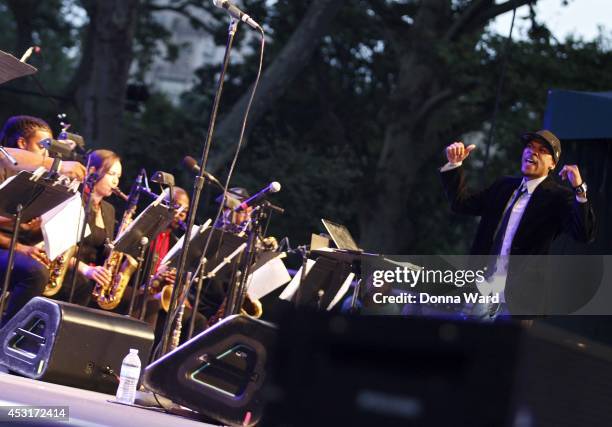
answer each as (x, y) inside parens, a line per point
(571, 173)
(457, 152)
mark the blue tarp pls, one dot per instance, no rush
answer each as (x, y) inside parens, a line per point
(574, 115)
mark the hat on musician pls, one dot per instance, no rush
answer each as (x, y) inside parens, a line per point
(546, 137)
(234, 197)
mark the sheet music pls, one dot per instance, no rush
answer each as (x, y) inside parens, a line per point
(59, 226)
(179, 245)
(343, 289)
(272, 275)
(292, 287)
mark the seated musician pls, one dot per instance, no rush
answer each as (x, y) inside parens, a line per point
(21, 135)
(107, 167)
(213, 298)
(162, 275)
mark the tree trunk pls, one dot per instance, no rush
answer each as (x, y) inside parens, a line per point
(23, 11)
(100, 82)
(274, 81)
(424, 86)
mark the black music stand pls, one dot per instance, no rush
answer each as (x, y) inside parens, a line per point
(25, 197)
(322, 283)
(220, 249)
(12, 68)
(150, 222)
(222, 243)
(135, 239)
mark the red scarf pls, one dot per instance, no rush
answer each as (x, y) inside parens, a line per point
(161, 246)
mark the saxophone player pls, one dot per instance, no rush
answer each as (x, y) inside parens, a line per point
(162, 275)
(22, 136)
(213, 298)
(105, 165)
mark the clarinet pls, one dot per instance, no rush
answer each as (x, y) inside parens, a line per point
(178, 323)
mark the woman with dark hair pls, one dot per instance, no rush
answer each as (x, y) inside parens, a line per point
(105, 167)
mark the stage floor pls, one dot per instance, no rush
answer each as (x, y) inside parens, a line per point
(86, 408)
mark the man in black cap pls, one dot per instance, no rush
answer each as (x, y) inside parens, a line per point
(522, 215)
(212, 300)
(234, 222)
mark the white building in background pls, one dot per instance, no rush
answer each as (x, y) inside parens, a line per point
(196, 48)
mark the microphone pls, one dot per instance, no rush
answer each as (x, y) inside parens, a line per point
(135, 190)
(273, 187)
(190, 164)
(237, 13)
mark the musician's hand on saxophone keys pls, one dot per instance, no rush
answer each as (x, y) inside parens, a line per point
(165, 275)
(33, 252)
(169, 276)
(98, 274)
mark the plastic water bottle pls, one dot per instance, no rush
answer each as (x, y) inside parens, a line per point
(128, 380)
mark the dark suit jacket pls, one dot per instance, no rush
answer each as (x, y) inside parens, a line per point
(552, 210)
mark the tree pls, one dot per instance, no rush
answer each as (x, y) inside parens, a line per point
(100, 82)
(387, 89)
(278, 76)
(354, 129)
(424, 87)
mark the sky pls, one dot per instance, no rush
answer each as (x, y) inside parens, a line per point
(579, 17)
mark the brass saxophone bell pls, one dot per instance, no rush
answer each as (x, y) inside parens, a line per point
(57, 272)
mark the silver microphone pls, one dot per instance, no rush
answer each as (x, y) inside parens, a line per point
(273, 187)
(236, 13)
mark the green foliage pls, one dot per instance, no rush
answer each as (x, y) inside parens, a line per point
(323, 138)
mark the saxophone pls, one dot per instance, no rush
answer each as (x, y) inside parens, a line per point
(57, 272)
(250, 307)
(161, 289)
(121, 266)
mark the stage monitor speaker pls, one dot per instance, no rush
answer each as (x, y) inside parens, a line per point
(399, 371)
(72, 345)
(218, 373)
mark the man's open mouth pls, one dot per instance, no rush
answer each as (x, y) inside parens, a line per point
(531, 161)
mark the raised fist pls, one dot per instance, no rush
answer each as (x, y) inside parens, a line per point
(572, 174)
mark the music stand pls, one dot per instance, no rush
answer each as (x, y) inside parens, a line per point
(322, 283)
(222, 244)
(150, 222)
(136, 237)
(25, 197)
(219, 253)
(12, 68)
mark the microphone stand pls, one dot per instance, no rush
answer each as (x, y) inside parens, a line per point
(8, 156)
(87, 193)
(197, 190)
(236, 296)
(144, 244)
(196, 301)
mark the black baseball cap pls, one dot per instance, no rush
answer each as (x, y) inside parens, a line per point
(548, 139)
(234, 197)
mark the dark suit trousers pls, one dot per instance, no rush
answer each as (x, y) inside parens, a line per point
(28, 280)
